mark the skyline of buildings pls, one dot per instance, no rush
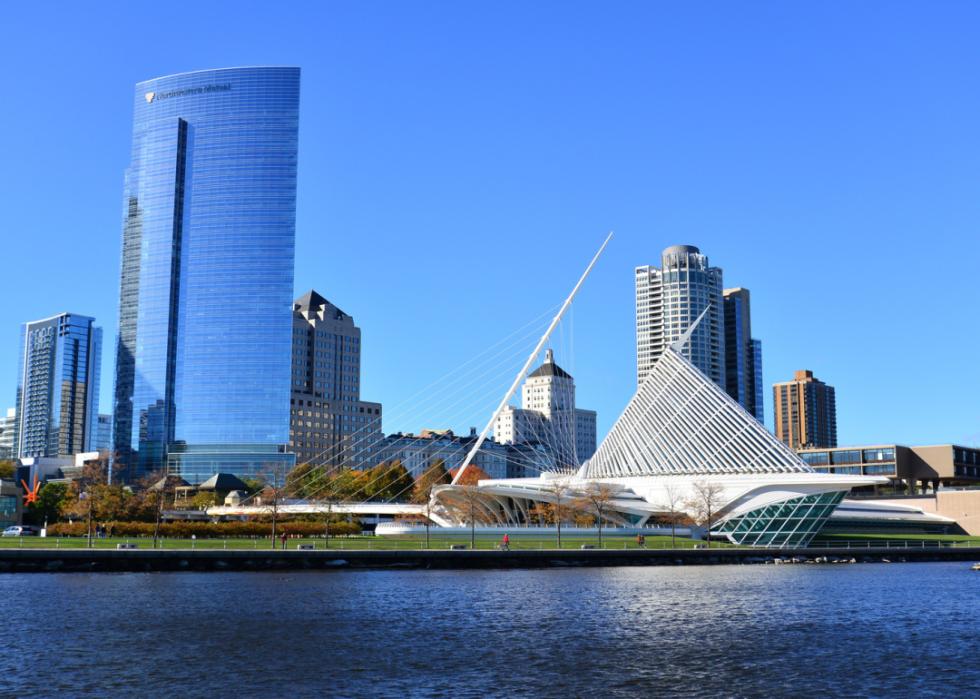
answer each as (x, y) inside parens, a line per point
(205, 340)
(58, 386)
(672, 297)
(177, 240)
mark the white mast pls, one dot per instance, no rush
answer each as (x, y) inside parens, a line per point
(527, 364)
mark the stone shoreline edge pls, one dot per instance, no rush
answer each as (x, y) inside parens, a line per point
(117, 561)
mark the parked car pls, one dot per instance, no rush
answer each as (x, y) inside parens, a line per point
(20, 531)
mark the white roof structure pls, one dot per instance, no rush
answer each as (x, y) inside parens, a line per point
(680, 423)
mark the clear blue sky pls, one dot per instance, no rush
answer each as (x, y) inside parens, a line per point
(459, 162)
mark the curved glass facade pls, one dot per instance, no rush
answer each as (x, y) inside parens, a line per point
(790, 523)
(203, 356)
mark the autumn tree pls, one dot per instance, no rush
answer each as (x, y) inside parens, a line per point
(595, 500)
(471, 476)
(705, 501)
(388, 482)
(348, 484)
(470, 495)
(672, 504)
(427, 506)
(159, 491)
(434, 475)
(273, 492)
(87, 493)
(95, 498)
(558, 489)
(542, 512)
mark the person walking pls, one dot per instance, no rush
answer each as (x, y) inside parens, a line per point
(505, 544)
(284, 537)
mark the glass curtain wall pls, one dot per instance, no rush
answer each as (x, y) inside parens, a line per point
(203, 356)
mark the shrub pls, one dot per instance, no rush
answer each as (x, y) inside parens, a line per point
(206, 530)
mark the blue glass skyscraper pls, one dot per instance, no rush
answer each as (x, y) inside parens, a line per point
(58, 386)
(205, 332)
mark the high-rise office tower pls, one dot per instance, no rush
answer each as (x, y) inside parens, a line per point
(8, 428)
(548, 417)
(743, 354)
(669, 300)
(330, 424)
(103, 434)
(203, 355)
(806, 412)
(58, 386)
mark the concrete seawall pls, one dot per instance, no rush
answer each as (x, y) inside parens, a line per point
(47, 560)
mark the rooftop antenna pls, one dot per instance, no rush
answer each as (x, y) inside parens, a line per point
(527, 365)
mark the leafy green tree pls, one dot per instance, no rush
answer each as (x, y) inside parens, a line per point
(202, 501)
(253, 485)
(53, 500)
(304, 480)
(7, 469)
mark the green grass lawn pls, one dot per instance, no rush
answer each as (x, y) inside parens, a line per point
(901, 539)
(518, 541)
(406, 542)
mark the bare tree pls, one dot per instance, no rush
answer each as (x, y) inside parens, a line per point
(558, 489)
(471, 494)
(427, 511)
(595, 500)
(275, 489)
(672, 502)
(705, 502)
(327, 495)
(92, 486)
(326, 528)
(161, 488)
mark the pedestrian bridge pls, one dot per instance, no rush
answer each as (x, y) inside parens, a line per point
(361, 509)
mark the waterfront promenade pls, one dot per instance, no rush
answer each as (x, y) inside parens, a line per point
(37, 560)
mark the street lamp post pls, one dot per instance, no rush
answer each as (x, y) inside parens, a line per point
(88, 499)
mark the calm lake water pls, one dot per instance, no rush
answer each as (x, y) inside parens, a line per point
(873, 630)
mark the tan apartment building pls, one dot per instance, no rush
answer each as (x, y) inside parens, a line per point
(805, 412)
